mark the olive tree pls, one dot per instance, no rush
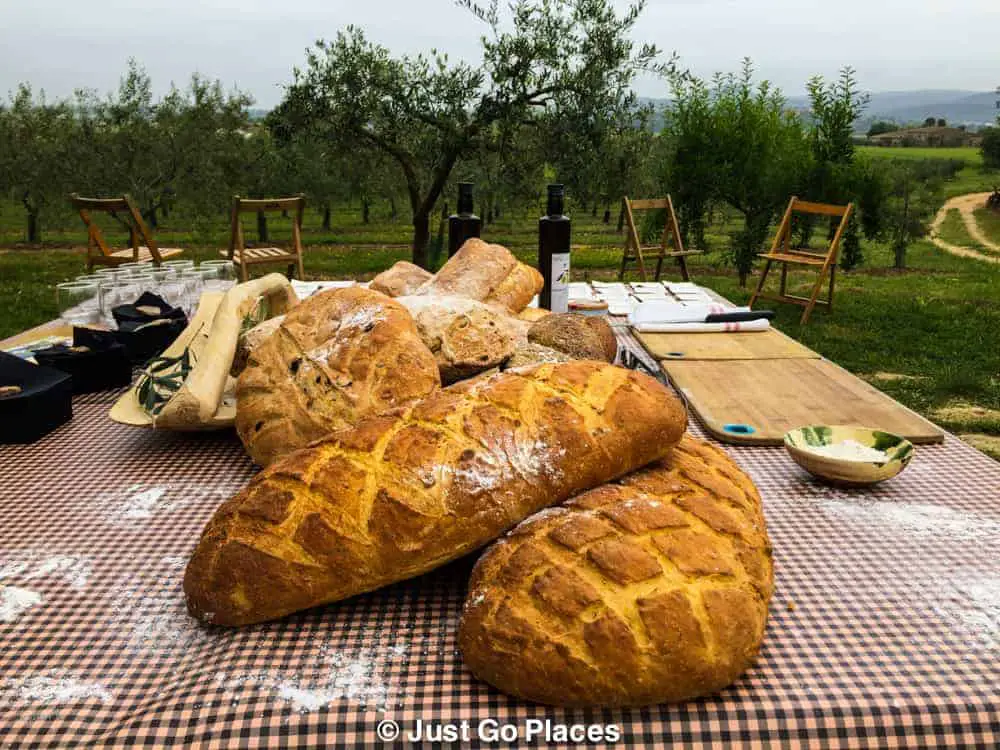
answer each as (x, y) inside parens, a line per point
(426, 112)
(39, 148)
(762, 156)
(835, 107)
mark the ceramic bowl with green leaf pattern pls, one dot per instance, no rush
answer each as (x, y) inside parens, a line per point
(847, 455)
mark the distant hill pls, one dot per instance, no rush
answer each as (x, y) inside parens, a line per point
(904, 107)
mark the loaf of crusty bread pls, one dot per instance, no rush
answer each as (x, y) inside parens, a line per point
(336, 358)
(250, 340)
(402, 279)
(487, 273)
(518, 289)
(532, 314)
(533, 354)
(466, 337)
(648, 591)
(400, 495)
(579, 336)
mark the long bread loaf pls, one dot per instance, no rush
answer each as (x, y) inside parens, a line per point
(648, 591)
(398, 496)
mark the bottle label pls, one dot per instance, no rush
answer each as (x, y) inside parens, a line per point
(560, 283)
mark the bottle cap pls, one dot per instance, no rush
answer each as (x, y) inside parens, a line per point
(557, 194)
(465, 197)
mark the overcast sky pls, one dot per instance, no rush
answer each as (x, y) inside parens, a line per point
(60, 45)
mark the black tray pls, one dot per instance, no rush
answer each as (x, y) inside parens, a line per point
(44, 402)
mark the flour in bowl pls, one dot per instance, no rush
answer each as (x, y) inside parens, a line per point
(851, 450)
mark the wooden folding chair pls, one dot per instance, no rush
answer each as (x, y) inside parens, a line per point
(782, 252)
(636, 251)
(245, 256)
(143, 244)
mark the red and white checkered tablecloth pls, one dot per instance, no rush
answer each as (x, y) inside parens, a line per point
(884, 627)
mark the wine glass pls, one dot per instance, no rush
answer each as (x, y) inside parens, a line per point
(79, 302)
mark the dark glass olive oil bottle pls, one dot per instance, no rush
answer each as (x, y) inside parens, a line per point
(553, 253)
(464, 224)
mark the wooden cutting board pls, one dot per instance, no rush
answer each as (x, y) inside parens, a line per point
(755, 402)
(770, 344)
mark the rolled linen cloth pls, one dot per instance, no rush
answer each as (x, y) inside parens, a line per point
(702, 327)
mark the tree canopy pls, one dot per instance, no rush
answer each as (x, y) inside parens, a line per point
(568, 59)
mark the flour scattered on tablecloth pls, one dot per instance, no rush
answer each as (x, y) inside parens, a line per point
(15, 601)
(971, 603)
(336, 677)
(52, 688)
(155, 617)
(140, 502)
(913, 519)
(32, 564)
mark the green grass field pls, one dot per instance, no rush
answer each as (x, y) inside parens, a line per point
(929, 336)
(971, 155)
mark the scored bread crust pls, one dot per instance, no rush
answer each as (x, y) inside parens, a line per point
(651, 590)
(336, 358)
(397, 496)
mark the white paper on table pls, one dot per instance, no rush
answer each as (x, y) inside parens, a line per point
(654, 287)
(670, 311)
(677, 287)
(581, 290)
(736, 327)
(622, 307)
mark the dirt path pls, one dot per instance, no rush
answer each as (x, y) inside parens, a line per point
(965, 205)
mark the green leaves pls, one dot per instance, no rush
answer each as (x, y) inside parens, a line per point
(568, 59)
(161, 379)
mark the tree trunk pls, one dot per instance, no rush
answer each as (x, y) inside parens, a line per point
(607, 215)
(899, 247)
(262, 235)
(421, 236)
(393, 209)
(621, 217)
(34, 233)
(366, 208)
(326, 217)
(151, 217)
(593, 210)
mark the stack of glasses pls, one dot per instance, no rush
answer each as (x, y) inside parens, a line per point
(89, 300)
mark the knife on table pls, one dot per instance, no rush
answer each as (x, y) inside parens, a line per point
(743, 316)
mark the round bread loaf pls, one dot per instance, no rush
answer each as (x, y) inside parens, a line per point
(651, 590)
(579, 336)
(250, 340)
(337, 357)
(465, 336)
(402, 279)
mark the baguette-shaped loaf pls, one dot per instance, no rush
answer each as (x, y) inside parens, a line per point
(400, 495)
(648, 591)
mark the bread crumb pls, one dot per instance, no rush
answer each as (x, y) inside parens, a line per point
(791, 606)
